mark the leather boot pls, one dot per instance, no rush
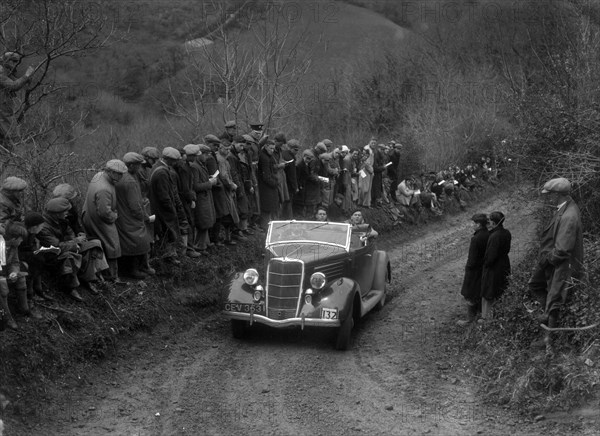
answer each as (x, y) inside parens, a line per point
(143, 261)
(8, 319)
(189, 251)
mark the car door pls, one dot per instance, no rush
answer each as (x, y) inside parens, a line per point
(363, 265)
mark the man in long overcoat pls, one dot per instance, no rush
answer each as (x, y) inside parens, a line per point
(471, 287)
(229, 218)
(308, 196)
(496, 264)
(561, 251)
(268, 184)
(204, 213)
(166, 205)
(99, 213)
(131, 223)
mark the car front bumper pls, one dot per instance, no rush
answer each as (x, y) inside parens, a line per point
(302, 322)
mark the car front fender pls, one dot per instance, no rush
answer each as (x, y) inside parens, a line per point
(338, 294)
(237, 291)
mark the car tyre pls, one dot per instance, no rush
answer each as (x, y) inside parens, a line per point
(345, 332)
(239, 328)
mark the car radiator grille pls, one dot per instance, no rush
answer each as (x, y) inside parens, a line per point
(284, 278)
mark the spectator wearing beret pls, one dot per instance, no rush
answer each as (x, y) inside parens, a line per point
(67, 191)
(471, 287)
(132, 221)
(78, 259)
(170, 223)
(560, 253)
(100, 213)
(11, 204)
(496, 264)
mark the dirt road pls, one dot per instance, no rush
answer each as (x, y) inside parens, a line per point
(400, 376)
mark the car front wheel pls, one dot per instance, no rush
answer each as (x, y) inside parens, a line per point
(345, 332)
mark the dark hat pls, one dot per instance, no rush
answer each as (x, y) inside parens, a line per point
(58, 204)
(64, 190)
(497, 217)
(257, 125)
(151, 152)
(212, 139)
(280, 137)
(14, 184)
(559, 185)
(15, 230)
(293, 143)
(480, 218)
(230, 123)
(33, 219)
(133, 158)
(239, 138)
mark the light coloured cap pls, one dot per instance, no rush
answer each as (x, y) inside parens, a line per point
(327, 142)
(192, 149)
(204, 148)
(321, 146)
(230, 123)
(151, 152)
(132, 158)
(249, 138)
(171, 153)
(64, 190)
(559, 185)
(14, 184)
(211, 139)
(117, 166)
(58, 204)
(293, 143)
(344, 148)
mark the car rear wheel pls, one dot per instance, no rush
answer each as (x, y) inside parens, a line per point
(239, 328)
(345, 332)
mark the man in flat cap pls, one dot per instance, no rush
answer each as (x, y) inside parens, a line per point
(69, 192)
(230, 131)
(151, 156)
(187, 195)
(166, 205)
(132, 221)
(11, 204)
(560, 254)
(9, 86)
(99, 214)
(471, 287)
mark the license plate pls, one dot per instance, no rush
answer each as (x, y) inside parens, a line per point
(329, 313)
(245, 308)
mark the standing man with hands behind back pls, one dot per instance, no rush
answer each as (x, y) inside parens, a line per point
(561, 252)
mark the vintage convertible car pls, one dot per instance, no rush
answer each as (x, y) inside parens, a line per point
(321, 274)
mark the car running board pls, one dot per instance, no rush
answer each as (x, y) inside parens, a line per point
(370, 300)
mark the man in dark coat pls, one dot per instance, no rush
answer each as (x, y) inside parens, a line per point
(379, 161)
(496, 264)
(9, 85)
(188, 199)
(268, 184)
(561, 252)
(131, 223)
(308, 196)
(471, 288)
(241, 174)
(204, 212)
(289, 152)
(165, 203)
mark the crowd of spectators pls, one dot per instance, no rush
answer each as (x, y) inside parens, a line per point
(185, 201)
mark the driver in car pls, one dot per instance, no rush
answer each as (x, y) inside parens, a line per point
(359, 225)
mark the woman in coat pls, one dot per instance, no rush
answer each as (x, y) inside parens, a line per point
(496, 264)
(471, 287)
(365, 177)
(309, 187)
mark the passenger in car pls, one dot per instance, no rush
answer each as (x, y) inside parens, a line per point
(321, 214)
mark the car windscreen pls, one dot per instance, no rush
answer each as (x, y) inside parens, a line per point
(323, 232)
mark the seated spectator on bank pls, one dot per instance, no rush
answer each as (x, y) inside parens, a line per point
(321, 214)
(407, 195)
(67, 191)
(79, 259)
(34, 222)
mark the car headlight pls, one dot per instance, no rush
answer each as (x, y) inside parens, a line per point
(318, 280)
(251, 277)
